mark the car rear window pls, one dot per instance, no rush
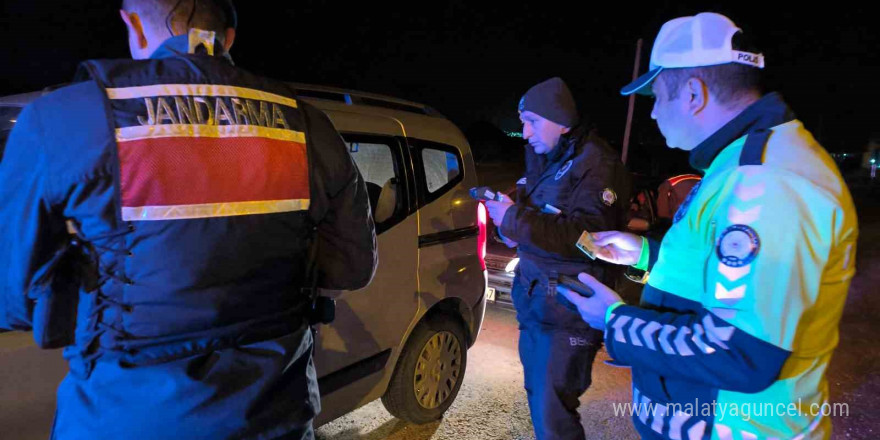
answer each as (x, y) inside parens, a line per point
(7, 121)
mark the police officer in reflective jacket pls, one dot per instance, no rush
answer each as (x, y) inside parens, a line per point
(574, 182)
(739, 316)
(194, 191)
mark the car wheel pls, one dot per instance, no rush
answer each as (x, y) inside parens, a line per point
(429, 372)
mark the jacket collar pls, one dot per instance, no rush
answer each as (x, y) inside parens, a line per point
(767, 112)
(179, 45)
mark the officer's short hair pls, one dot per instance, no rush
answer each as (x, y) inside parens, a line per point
(180, 15)
(727, 82)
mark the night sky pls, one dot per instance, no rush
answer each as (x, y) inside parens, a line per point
(472, 60)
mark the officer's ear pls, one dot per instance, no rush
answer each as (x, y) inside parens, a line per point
(697, 95)
(230, 38)
(136, 35)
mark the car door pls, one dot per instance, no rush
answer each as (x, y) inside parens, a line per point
(370, 322)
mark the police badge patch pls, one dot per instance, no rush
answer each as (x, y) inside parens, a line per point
(563, 170)
(738, 246)
(609, 196)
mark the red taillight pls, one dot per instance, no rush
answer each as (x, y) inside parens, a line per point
(481, 237)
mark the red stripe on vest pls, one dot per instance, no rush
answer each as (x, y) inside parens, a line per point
(188, 171)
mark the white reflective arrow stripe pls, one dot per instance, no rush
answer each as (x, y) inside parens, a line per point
(648, 334)
(618, 328)
(748, 435)
(729, 297)
(633, 329)
(724, 433)
(717, 334)
(733, 273)
(643, 412)
(678, 419)
(725, 314)
(738, 217)
(696, 432)
(680, 342)
(659, 414)
(664, 339)
(746, 193)
(698, 340)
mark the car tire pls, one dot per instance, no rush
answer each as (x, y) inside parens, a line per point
(429, 371)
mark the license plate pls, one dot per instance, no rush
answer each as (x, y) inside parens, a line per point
(490, 294)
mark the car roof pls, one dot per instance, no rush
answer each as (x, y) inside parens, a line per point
(19, 100)
(413, 119)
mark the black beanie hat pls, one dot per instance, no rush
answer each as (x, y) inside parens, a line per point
(551, 100)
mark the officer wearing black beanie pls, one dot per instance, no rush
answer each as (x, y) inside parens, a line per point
(574, 182)
(552, 100)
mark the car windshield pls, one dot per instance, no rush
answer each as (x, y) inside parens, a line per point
(7, 121)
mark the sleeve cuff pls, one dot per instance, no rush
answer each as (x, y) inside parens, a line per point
(609, 341)
(645, 256)
(507, 223)
(610, 310)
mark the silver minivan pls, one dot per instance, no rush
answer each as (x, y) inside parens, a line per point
(404, 338)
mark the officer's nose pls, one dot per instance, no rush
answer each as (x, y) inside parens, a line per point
(527, 132)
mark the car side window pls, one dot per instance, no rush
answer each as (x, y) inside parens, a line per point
(441, 167)
(379, 164)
